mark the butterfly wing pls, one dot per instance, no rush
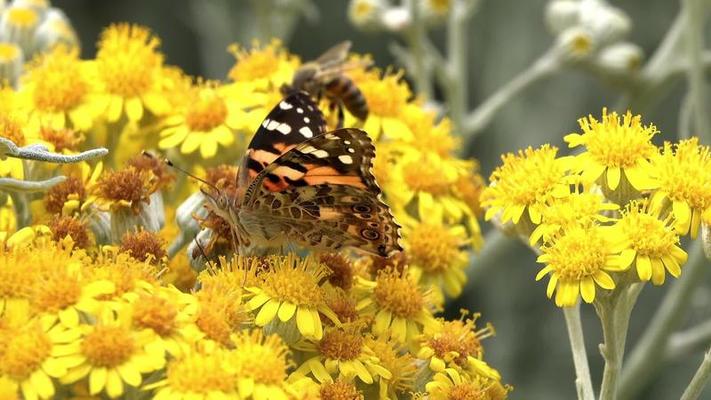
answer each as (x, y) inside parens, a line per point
(322, 194)
(295, 119)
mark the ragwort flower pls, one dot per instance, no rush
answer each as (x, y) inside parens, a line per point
(263, 67)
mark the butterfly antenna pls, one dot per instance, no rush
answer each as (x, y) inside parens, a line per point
(179, 169)
(202, 250)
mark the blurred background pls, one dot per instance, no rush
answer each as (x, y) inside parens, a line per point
(503, 38)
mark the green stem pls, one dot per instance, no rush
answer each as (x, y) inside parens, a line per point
(416, 36)
(695, 15)
(456, 88)
(614, 312)
(583, 382)
(700, 379)
(645, 358)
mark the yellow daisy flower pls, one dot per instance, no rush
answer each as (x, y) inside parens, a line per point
(401, 364)
(452, 384)
(209, 120)
(198, 375)
(386, 96)
(400, 307)
(290, 290)
(577, 260)
(684, 183)
(59, 91)
(619, 148)
(111, 355)
(343, 354)
(12, 127)
(129, 276)
(428, 132)
(339, 389)
(524, 183)
(130, 73)
(31, 353)
(128, 188)
(263, 67)
(434, 249)
(73, 195)
(650, 243)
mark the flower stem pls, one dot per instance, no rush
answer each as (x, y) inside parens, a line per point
(583, 382)
(614, 312)
(695, 15)
(700, 379)
(646, 356)
(416, 37)
(478, 119)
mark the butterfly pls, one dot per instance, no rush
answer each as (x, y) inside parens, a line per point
(300, 184)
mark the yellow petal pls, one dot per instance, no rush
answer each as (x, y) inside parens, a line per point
(658, 275)
(613, 177)
(304, 322)
(114, 385)
(43, 385)
(267, 312)
(626, 257)
(551, 285)
(129, 374)
(208, 148)
(97, 380)
(604, 280)
(191, 143)
(398, 329)
(286, 311)
(134, 109)
(695, 223)
(672, 266)
(318, 327)
(113, 113)
(644, 267)
(682, 213)
(587, 289)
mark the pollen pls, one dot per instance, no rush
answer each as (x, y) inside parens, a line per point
(398, 294)
(144, 245)
(469, 189)
(62, 139)
(60, 83)
(264, 359)
(156, 166)
(297, 284)
(55, 198)
(579, 253)
(16, 280)
(63, 226)
(56, 291)
(108, 346)
(433, 247)
(127, 58)
(342, 305)
(222, 175)
(466, 391)
(462, 338)
(648, 235)
(340, 390)
(201, 373)
(421, 176)
(341, 344)
(156, 313)
(683, 173)
(10, 128)
(385, 96)
(24, 351)
(341, 270)
(206, 111)
(220, 313)
(129, 184)
(124, 271)
(615, 141)
(258, 62)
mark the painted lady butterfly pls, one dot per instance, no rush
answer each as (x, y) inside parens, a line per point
(300, 184)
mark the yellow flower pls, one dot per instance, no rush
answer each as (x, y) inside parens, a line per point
(435, 249)
(263, 67)
(128, 275)
(525, 182)
(198, 375)
(59, 90)
(209, 120)
(72, 195)
(429, 133)
(343, 353)
(401, 308)
(619, 148)
(650, 243)
(454, 343)
(30, 353)
(220, 313)
(386, 97)
(454, 385)
(581, 209)
(684, 182)
(111, 355)
(291, 288)
(129, 188)
(261, 364)
(401, 364)
(12, 127)
(130, 71)
(577, 260)
(340, 389)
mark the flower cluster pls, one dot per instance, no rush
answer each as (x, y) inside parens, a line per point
(610, 215)
(97, 293)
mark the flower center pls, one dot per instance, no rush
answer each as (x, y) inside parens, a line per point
(433, 247)
(200, 373)
(579, 253)
(340, 390)
(11, 129)
(399, 295)
(684, 175)
(9, 52)
(271, 353)
(219, 319)
(24, 352)
(341, 345)
(617, 142)
(127, 184)
(144, 245)
(385, 96)
(206, 113)
(22, 17)
(421, 177)
(59, 194)
(60, 83)
(466, 391)
(108, 346)
(648, 235)
(58, 291)
(128, 60)
(341, 270)
(257, 63)
(156, 313)
(297, 286)
(64, 226)
(62, 139)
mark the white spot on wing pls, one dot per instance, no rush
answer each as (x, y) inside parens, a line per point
(347, 141)
(285, 106)
(306, 131)
(299, 110)
(272, 125)
(346, 159)
(351, 150)
(307, 119)
(284, 128)
(265, 123)
(320, 153)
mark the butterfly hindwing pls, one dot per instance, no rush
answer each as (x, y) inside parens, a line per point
(322, 194)
(295, 119)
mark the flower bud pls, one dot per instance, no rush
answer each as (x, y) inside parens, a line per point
(124, 219)
(562, 14)
(575, 45)
(396, 19)
(55, 29)
(99, 222)
(18, 25)
(607, 24)
(365, 14)
(620, 59)
(11, 61)
(40, 6)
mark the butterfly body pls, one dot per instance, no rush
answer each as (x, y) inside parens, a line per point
(299, 184)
